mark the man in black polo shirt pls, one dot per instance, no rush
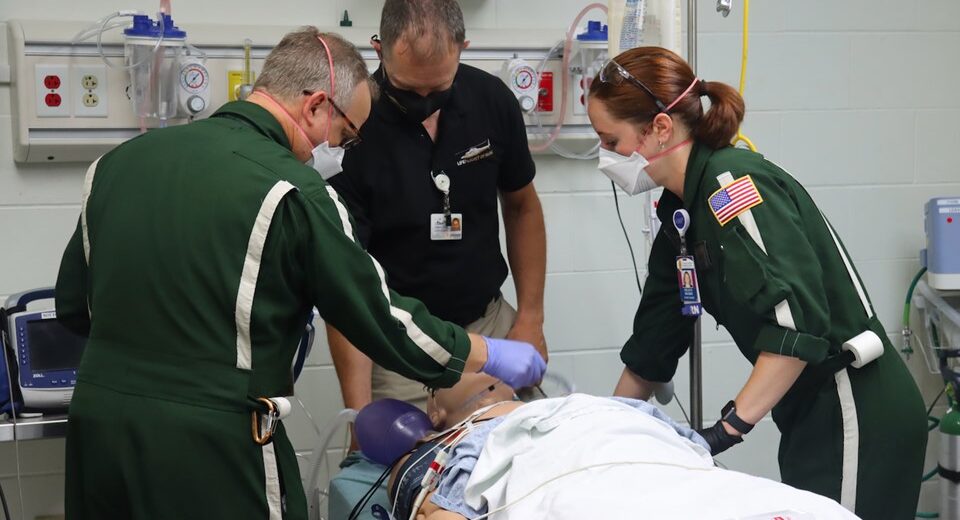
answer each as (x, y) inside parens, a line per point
(442, 144)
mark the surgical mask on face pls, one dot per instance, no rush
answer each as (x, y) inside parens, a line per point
(326, 160)
(415, 107)
(629, 173)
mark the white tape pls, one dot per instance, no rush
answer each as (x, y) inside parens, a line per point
(866, 347)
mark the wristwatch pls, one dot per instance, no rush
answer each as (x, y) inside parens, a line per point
(729, 415)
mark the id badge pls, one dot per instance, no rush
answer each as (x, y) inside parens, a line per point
(689, 287)
(440, 230)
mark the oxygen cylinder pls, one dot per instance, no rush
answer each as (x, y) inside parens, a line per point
(950, 465)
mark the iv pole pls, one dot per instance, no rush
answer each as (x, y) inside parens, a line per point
(696, 352)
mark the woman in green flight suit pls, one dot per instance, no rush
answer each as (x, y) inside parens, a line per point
(773, 272)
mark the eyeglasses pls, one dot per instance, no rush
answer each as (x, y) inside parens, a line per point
(614, 74)
(347, 142)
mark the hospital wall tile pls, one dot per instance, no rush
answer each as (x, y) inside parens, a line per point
(757, 454)
(320, 393)
(560, 224)
(933, 76)
(929, 383)
(725, 371)
(320, 354)
(938, 15)
(711, 333)
(850, 15)
(23, 184)
(42, 495)
(764, 17)
(586, 311)
(558, 175)
(596, 373)
(882, 223)
(888, 67)
(764, 129)
(797, 71)
(929, 496)
(38, 236)
(886, 282)
(860, 148)
(5, 102)
(938, 138)
(881, 65)
(583, 233)
(39, 457)
(718, 59)
(328, 469)
(365, 13)
(558, 14)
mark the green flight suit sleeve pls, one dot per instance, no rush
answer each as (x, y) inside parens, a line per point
(71, 290)
(349, 289)
(782, 282)
(661, 334)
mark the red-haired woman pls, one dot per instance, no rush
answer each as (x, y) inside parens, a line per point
(774, 273)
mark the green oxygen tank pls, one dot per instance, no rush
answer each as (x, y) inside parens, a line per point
(950, 465)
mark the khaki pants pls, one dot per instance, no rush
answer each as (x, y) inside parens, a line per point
(495, 323)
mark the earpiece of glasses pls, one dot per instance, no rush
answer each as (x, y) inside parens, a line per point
(347, 142)
(613, 73)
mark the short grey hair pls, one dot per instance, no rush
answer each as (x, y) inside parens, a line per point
(299, 63)
(438, 23)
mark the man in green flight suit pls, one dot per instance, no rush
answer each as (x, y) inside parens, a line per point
(199, 253)
(772, 271)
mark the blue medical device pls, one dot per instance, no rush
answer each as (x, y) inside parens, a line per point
(47, 354)
(942, 255)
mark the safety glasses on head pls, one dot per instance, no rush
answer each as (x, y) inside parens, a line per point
(614, 74)
(350, 141)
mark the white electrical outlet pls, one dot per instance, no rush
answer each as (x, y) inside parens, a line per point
(90, 93)
(52, 87)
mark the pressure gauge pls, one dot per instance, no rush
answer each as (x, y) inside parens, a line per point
(194, 77)
(194, 88)
(521, 77)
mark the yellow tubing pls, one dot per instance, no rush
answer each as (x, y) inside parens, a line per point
(743, 70)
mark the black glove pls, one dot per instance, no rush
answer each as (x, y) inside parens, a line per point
(718, 438)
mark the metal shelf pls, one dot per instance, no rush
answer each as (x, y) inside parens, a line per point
(46, 427)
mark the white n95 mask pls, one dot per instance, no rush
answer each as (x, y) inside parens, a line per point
(327, 160)
(629, 173)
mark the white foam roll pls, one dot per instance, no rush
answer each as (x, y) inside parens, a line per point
(865, 346)
(283, 406)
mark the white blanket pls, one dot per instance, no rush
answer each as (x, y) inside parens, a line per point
(603, 459)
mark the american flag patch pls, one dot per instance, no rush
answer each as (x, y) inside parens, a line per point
(729, 202)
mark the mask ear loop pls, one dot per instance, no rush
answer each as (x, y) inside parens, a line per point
(332, 86)
(661, 152)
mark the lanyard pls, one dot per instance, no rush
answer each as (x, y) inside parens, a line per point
(442, 182)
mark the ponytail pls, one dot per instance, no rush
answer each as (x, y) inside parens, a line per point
(719, 125)
(668, 77)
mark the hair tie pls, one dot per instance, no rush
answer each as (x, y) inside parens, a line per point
(703, 88)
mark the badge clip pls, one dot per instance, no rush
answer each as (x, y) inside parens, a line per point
(686, 268)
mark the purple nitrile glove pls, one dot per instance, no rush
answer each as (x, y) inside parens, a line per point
(516, 363)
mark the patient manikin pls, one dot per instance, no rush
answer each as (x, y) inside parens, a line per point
(574, 457)
(447, 408)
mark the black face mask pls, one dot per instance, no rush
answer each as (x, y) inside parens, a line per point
(415, 107)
